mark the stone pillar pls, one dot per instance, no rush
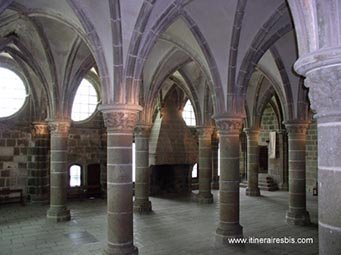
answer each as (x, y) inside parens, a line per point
(215, 147)
(120, 121)
(142, 173)
(38, 176)
(297, 213)
(205, 165)
(325, 94)
(229, 227)
(252, 136)
(58, 171)
(283, 143)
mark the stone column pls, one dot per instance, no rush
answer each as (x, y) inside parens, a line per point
(120, 121)
(142, 173)
(283, 143)
(215, 147)
(297, 213)
(252, 136)
(58, 171)
(229, 227)
(205, 165)
(38, 176)
(325, 94)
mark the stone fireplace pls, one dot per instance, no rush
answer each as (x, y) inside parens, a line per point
(173, 150)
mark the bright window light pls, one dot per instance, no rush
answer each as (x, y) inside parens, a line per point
(134, 168)
(85, 102)
(188, 114)
(195, 171)
(75, 176)
(13, 92)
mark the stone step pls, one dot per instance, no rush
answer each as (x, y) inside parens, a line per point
(265, 182)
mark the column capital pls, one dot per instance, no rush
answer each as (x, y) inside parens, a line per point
(322, 69)
(297, 127)
(229, 125)
(204, 131)
(251, 131)
(40, 128)
(325, 91)
(142, 130)
(120, 117)
(59, 127)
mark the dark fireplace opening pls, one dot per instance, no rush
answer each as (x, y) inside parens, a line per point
(170, 179)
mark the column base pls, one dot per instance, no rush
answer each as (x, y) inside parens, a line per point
(121, 250)
(204, 198)
(226, 231)
(252, 192)
(58, 214)
(298, 218)
(142, 206)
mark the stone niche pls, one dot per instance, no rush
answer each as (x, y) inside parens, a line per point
(173, 150)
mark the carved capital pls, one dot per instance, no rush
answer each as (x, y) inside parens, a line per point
(325, 90)
(205, 132)
(142, 130)
(40, 129)
(251, 131)
(296, 127)
(59, 127)
(229, 125)
(120, 117)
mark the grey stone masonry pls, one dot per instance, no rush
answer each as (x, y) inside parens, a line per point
(58, 171)
(252, 136)
(323, 79)
(205, 165)
(120, 122)
(297, 213)
(38, 164)
(215, 148)
(229, 130)
(142, 171)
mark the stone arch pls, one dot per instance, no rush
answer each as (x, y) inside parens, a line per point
(70, 91)
(22, 55)
(166, 19)
(96, 47)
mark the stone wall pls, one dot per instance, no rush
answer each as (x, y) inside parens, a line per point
(14, 143)
(311, 157)
(268, 123)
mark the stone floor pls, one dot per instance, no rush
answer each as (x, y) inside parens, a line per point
(177, 226)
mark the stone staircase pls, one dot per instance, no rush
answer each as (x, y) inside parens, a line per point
(265, 182)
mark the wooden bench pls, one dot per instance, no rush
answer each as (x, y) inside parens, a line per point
(6, 198)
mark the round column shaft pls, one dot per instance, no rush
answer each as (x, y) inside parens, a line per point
(141, 202)
(229, 227)
(215, 148)
(252, 162)
(205, 166)
(59, 172)
(120, 122)
(38, 179)
(297, 213)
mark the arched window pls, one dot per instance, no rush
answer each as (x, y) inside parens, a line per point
(195, 171)
(188, 114)
(75, 173)
(85, 102)
(13, 92)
